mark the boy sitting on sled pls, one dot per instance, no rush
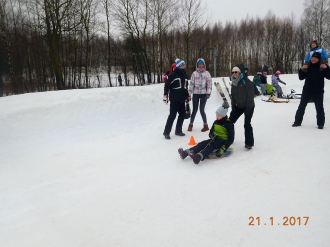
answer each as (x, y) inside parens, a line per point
(221, 135)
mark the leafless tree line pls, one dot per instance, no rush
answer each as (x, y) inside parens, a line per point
(67, 44)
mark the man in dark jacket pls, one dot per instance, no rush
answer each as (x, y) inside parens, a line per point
(176, 85)
(242, 102)
(313, 88)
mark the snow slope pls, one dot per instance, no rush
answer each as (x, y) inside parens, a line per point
(92, 168)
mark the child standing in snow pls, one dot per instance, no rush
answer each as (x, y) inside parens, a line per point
(314, 47)
(200, 89)
(275, 80)
(221, 137)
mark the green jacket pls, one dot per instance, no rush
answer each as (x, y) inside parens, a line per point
(224, 132)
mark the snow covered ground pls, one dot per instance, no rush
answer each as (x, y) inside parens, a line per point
(92, 168)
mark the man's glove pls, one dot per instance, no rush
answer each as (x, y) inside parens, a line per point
(207, 96)
(188, 99)
(225, 105)
(165, 99)
(222, 151)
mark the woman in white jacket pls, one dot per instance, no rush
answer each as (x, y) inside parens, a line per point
(200, 88)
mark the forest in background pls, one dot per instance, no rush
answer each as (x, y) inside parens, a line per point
(65, 44)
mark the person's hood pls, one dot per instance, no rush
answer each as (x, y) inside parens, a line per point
(201, 59)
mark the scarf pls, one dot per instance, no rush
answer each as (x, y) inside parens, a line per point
(235, 81)
(200, 70)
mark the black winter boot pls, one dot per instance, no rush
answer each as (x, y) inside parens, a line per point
(197, 158)
(248, 147)
(183, 153)
(167, 136)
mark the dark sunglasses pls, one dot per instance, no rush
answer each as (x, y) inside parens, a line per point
(234, 72)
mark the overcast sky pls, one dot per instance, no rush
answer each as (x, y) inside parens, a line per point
(238, 9)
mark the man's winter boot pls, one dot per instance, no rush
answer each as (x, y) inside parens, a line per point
(183, 153)
(205, 128)
(167, 136)
(320, 127)
(248, 147)
(296, 124)
(190, 127)
(180, 134)
(197, 158)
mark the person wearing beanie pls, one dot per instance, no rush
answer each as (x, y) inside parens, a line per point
(179, 63)
(314, 47)
(275, 80)
(200, 88)
(260, 83)
(313, 88)
(221, 136)
(268, 89)
(242, 102)
(175, 91)
(173, 66)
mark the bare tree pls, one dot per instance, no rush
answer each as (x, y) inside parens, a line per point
(193, 17)
(316, 19)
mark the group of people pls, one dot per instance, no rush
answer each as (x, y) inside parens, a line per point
(260, 80)
(178, 92)
(199, 89)
(222, 133)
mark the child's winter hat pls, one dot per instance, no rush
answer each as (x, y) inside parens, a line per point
(221, 111)
(179, 63)
(200, 61)
(246, 68)
(259, 73)
(173, 66)
(313, 41)
(278, 72)
(317, 55)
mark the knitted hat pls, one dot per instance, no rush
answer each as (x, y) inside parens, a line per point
(236, 69)
(221, 111)
(246, 68)
(278, 72)
(200, 61)
(259, 73)
(317, 55)
(313, 41)
(179, 63)
(173, 66)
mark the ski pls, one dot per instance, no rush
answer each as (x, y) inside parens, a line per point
(275, 100)
(224, 82)
(218, 87)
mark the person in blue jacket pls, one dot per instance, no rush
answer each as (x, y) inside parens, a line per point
(314, 47)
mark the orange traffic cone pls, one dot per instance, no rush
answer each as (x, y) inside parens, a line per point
(192, 141)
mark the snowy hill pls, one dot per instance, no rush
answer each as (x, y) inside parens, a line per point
(92, 168)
